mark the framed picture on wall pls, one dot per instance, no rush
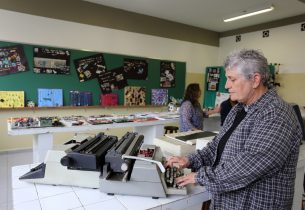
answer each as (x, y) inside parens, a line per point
(159, 97)
(213, 79)
(51, 61)
(135, 69)
(90, 67)
(167, 74)
(12, 60)
(113, 79)
(134, 96)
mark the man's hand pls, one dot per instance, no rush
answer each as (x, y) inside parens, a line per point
(186, 179)
(182, 162)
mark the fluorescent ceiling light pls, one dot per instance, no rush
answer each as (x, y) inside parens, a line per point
(250, 13)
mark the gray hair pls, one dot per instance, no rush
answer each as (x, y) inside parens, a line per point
(247, 62)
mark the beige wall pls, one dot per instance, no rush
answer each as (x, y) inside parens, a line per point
(285, 45)
(57, 33)
(292, 87)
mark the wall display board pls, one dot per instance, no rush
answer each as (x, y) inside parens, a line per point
(97, 63)
(215, 81)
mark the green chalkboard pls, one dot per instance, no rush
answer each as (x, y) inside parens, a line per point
(29, 81)
(210, 95)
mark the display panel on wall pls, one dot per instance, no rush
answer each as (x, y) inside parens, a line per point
(215, 81)
(97, 72)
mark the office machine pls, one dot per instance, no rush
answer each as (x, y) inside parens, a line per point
(183, 143)
(190, 137)
(75, 163)
(116, 167)
(133, 170)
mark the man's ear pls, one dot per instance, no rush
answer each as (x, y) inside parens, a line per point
(256, 80)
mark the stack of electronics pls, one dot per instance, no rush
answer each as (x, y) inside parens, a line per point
(34, 122)
(124, 166)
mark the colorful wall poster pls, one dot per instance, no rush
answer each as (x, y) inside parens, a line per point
(134, 96)
(113, 79)
(135, 69)
(111, 99)
(80, 98)
(11, 99)
(12, 60)
(167, 74)
(159, 97)
(90, 67)
(51, 61)
(50, 97)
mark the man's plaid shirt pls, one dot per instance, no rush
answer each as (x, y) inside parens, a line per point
(258, 165)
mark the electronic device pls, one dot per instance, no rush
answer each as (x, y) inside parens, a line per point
(190, 137)
(116, 167)
(139, 174)
(74, 164)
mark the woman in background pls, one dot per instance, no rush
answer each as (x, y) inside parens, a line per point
(191, 113)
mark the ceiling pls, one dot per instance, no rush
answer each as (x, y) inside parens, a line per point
(209, 14)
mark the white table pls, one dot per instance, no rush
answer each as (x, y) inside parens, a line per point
(43, 137)
(45, 197)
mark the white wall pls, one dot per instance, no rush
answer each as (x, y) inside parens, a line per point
(285, 45)
(24, 28)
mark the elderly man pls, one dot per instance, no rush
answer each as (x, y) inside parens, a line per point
(251, 163)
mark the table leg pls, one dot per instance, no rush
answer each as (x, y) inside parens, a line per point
(41, 144)
(150, 132)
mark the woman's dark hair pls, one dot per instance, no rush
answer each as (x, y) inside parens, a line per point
(192, 93)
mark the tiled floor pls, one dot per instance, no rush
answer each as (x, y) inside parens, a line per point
(7, 160)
